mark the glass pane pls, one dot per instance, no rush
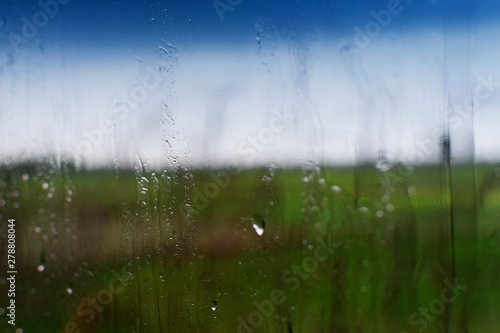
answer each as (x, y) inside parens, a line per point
(249, 166)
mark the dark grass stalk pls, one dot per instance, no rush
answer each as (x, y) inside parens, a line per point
(448, 187)
(446, 161)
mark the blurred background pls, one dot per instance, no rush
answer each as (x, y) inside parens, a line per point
(198, 152)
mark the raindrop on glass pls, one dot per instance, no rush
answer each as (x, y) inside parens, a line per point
(258, 230)
(335, 188)
(363, 209)
(258, 223)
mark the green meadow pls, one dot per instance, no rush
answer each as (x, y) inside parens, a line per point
(256, 250)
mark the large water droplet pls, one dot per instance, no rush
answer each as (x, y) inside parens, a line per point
(214, 305)
(258, 223)
(259, 230)
(40, 268)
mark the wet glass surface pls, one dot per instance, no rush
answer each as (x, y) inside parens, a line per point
(249, 166)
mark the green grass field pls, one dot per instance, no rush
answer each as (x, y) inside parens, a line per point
(342, 249)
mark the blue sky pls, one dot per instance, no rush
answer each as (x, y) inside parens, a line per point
(353, 77)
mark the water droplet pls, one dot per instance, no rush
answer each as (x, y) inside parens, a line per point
(305, 180)
(260, 231)
(19, 330)
(383, 166)
(25, 177)
(69, 290)
(335, 188)
(214, 305)
(38, 229)
(363, 209)
(45, 185)
(292, 307)
(258, 223)
(389, 207)
(322, 181)
(379, 213)
(40, 268)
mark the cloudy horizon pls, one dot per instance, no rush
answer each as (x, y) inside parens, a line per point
(210, 83)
